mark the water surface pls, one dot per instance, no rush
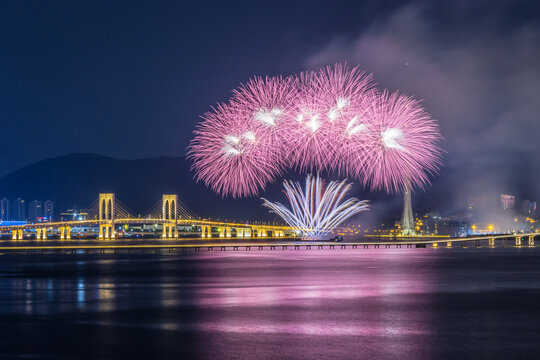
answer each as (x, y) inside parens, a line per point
(296, 304)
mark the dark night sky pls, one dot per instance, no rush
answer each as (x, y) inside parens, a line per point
(129, 79)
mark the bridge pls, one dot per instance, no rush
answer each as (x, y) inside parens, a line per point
(106, 213)
(259, 243)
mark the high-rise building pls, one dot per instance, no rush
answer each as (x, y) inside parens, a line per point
(17, 210)
(507, 201)
(5, 210)
(35, 210)
(528, 207)
(48, 210)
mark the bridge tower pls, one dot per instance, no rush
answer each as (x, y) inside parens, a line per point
(106, 216)
(169, 215)
(407, 218)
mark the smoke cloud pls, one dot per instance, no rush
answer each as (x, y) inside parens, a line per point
(481, 80)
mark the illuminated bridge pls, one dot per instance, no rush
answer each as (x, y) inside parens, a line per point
(103, 247)
(106, 213)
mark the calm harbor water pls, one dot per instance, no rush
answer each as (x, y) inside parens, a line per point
(320, 304)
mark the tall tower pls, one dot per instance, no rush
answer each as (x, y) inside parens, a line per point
(106, 216)
(407, 218)
(170, 210)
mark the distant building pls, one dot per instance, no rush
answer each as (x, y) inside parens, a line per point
(434, 224)
(48, 210)
(507, 201)
(528, 207)
(18, 210)
(35, 211)
(5, 210)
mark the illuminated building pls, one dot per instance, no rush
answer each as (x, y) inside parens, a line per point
(434, 224)
(528, 207)
(48, 210)
(35, 210)
(507, 201)
(5, 210)
(18, 210)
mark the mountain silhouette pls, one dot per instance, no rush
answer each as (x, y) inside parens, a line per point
(75, 180)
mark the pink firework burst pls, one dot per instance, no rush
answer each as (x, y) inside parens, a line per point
(397, 144)
(232, 154)
(267, 103)
(329, 99)
(330, 120)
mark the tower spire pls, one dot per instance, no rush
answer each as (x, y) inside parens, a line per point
(407, 218)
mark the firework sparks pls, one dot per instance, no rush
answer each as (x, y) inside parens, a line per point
(327, 100)
(318, 209)
(232, 155)
(330, 120)
(399, 144)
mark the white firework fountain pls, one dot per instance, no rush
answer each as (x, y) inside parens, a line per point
(318, 209)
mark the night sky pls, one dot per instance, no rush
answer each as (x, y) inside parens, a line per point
(129, 79)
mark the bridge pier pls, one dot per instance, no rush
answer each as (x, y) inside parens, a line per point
(16, 234)
(278, 233)
(65, 232)
(239, 232)
(106, 231)
(531, 240)
(206, 231)
(518, 240)
(170, 231)
(225, 232)
(435, 245)
(41, 234)
(261, 232)
(491, 242)
(449, 244)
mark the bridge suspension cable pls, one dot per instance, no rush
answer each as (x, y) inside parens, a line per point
(92, 210)
(182, 211)
(121, 211)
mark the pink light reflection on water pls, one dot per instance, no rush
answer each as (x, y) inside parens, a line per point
(375, 280)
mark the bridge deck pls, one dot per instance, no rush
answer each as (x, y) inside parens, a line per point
(256, 243)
